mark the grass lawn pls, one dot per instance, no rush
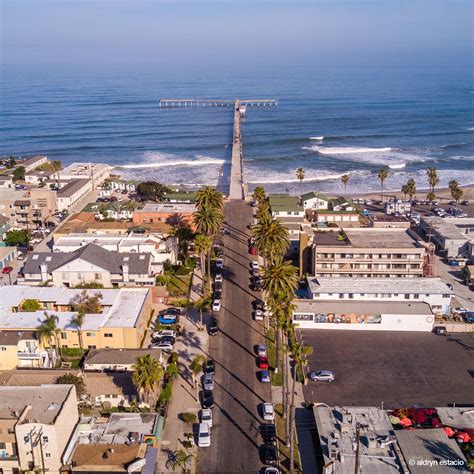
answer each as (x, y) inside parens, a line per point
(179, 285)
(284, 451)
(271, 348)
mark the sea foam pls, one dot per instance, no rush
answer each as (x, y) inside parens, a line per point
(342, 150)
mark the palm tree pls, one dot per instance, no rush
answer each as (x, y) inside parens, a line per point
(433, 180)
(345, 179)
(410, 189)
(263, 212)
(179, 458)
(404, 191)
(300, 175)
(202, 304)
(383, 175)
(48, 333)
(300, 354)
(196, 368)
(259, 194)
(208, 196)
(147, 372)
(272, 238)
(203, 245)
(280, 277)
(57, 166)
(78, 321)
(457, 194)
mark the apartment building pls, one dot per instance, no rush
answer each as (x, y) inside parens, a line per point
(23, 349)
(121, 322)
(96, 173)
(363, 252)
(36, 424)
(286, 208)
(165, 212)
(71, 193)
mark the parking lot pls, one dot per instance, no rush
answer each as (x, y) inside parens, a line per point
(396, 368)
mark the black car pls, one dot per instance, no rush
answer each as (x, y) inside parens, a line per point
(256, 286)
(258, 304)
(219, 252)
(269, 454)
(268, 432)
(209, 367)
(169, 339)
(213, 327)
(207, 399)
(218, 286)
(217, 295)
(172, 312)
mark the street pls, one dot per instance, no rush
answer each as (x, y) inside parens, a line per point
(237, 393)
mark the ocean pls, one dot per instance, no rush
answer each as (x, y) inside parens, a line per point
(330, 122)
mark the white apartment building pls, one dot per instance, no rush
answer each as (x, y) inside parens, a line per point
(35, 425)
(95, 172)
(427, 290)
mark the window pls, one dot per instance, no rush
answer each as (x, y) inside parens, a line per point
(114, 395)
(407, 297)
(63, 335)
(108, 334)
(97, 276)
(3, 445)
(48, 455)
(65, 276)
(351, 296)
(92, 346)
(80, 276)
(417, 297)
(341, 296)
(90, 334)
(45, 439)
(3, 348)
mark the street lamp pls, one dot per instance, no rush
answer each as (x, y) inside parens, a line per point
(8, 271)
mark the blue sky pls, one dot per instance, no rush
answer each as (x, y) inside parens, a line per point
(172, 33)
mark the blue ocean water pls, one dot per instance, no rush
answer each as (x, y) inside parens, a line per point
(329, 122)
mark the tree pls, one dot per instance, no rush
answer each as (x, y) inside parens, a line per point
(57, 166)
(78, 321)
(345, 179)
(151, 190)
(171, 372)
(410, 189)
(179, 458)
(30, 306)
(280, 277)
(17, 237)
(272, 238)
(259, 194)
(19, 174)
(11, 162)
(209, 197)
(196, 368)
(202, 304)
(203, 245)
(433, 180)
(300, 175)
(71, 379)
(431, 196)
(383, 175)
(457, 194)
(87, 303)
(147, 372)
(48, 333)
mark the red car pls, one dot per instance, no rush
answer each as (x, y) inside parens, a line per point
(252, 250)
(262, 362)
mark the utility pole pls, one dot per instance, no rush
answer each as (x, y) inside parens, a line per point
(357, 458)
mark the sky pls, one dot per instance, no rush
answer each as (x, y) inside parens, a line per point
(236, 33)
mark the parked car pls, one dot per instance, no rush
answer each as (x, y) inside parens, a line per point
(469, 317)
(465, 202)
(264, 376)
(262, 362)
(255, 266)
(204, 435)
(322, 376)
(164, 333)
(269, 454)
(258, 315)
(213, 327)
(218, 277)
(219, 252)
(459, 310)
(207, 399)
(206, 416)
(208, 382)
(261, 350)
(216, 305)
(256, 286)
(252, 250)
(259, 304)
(167, 319)
(268, 412)
(268, 432)
(164, 346)
(220, 263)
(209, 367)
(217, 286)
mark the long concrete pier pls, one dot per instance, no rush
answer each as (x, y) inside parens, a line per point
(237, 172)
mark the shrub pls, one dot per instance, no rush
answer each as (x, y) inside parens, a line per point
(165, 394)
(182, 270)
(188, 417)
(30, 306)
(74, 380)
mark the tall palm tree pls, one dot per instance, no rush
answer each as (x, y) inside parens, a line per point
(78, 321)
(345, 179)
(208, 220)
(263, 211)
(203, 245)
(202, 304)
(208, 196)
(433, 180)
(272, 238)
(410, 189)
(147, 373)
(300, 355)
(383, 175)
(259, 194)
(280, 277)
(179, 458)
(457, 193)
(48, 333)
(196, 368)
(300, 175)
(57, 166)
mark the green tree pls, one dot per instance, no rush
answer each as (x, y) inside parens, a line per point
(30, 306)
(209, 197)
(345, 179)
(87, 303)
(457, 194)
(57, 166)
(202, 304)
(280, 277)
(196, 367)
(78, 321)
(272, 238)
(171, 372)
(71, 379)
(259, 194)
(433, 180)
(410, 189)
(431, 196)
(179, 458)
(147, 372)
(19, 174)
(151, 190)
(203, 245)
(383, 175)
(11, 162)
(300, 173)
(17, 237)
(48, 333)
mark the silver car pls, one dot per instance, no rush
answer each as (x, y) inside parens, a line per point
(208, 382)
(322, 376)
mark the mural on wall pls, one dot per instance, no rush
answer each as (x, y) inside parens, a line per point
(336, 318)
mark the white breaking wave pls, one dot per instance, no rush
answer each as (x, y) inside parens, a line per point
(470, 129)
(174, 163)
(317, 138)
(342, 150)
(397, 166)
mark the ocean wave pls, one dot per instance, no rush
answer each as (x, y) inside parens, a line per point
(164, 160)
(471, 129)
(321, 138)
(397, 166)
(342, 150)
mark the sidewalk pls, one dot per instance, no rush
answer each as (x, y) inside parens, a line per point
(192, 343)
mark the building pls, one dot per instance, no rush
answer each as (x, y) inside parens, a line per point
(33, 162)
(426, 290)
(22, 349)
(397, 207)
(121, 323)
(117, 184)
(117, 360)
(335, 216)
(286, 208)
(88, 264)
(7, 255)
(161, 248)
(314, 201)
(4, 226)
(448, 238)
(363, 315)
(388, 221)
(342, 204)
(96, 173)
(165, 212)
(35, 425)
(180, 197)
(364, 252)
(41, 177)
(378, 450)
(73, 192)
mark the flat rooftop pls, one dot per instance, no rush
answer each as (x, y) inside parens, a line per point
(378, 285)
(168, 207)
(368, 237)
(337, 429)
(121, 425)
(83, 169)
(445, 228)
(72, 187)
(115, 456)
(370, 307)
(461, 418)
(44, 403)
(119, 356)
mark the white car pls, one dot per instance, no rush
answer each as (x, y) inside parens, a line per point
(204, 435)
(164, 333)
(459, 310)
(216, 305)
(206, 416)
(164, 346)
(218, 277)
(261, 350)
(322, 376)
(255, 266)
(258, 315)
(220, 263)
(268, 412)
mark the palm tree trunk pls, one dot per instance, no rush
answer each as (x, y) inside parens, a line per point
(301, 183)
(381, 191)
(292, 422)
(278, 348)
(79, 333)
(287, 409)
(200, 316)
(209, 268)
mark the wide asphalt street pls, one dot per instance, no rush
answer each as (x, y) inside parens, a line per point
(238, 393)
